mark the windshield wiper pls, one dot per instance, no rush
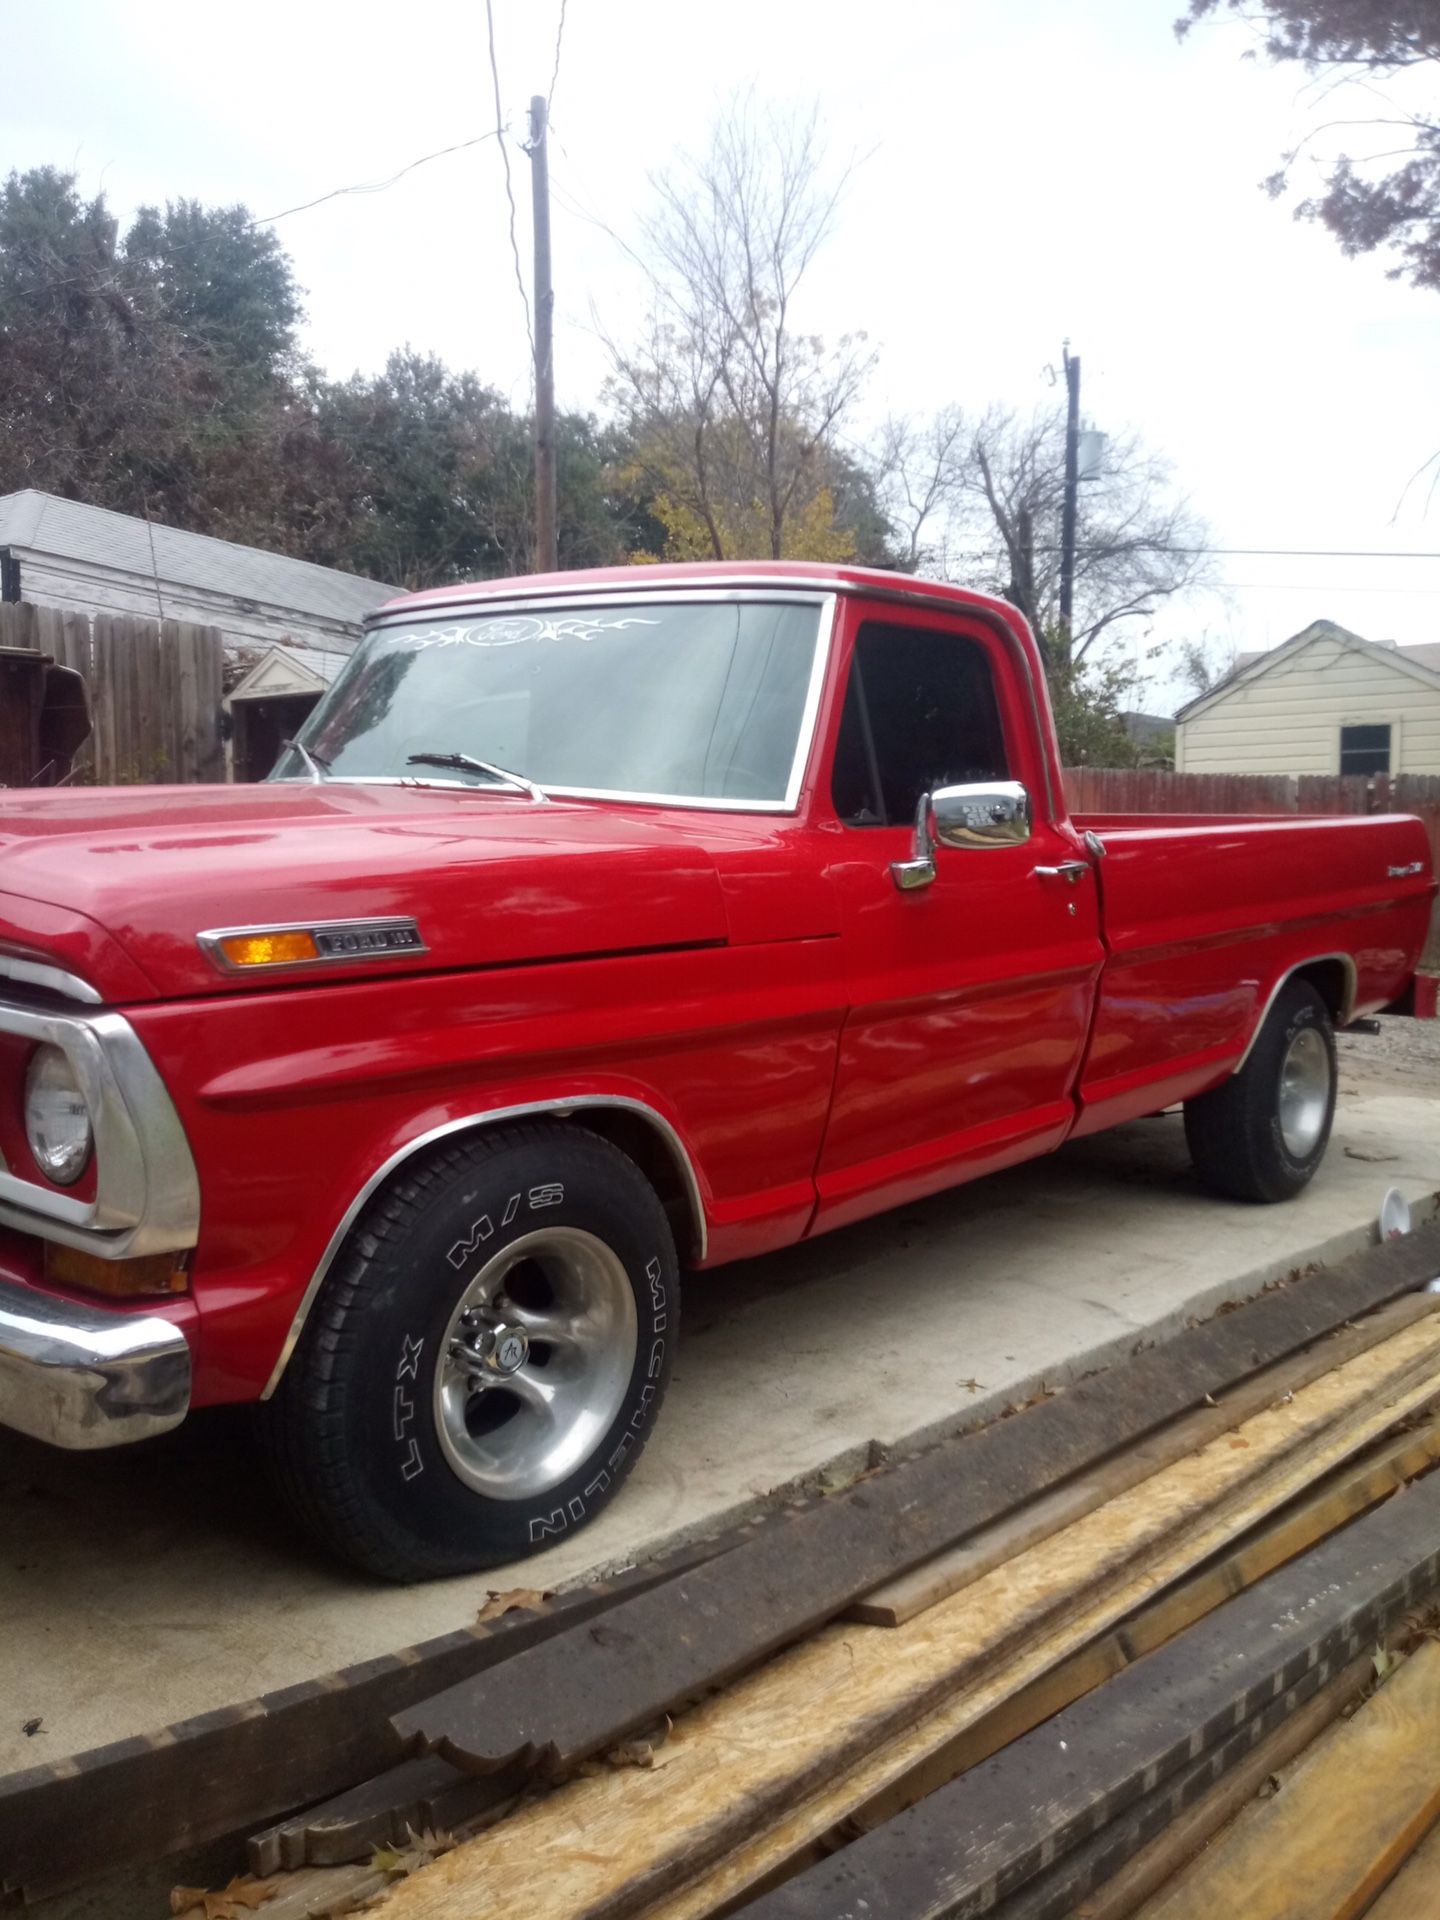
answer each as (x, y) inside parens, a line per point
(468, 763)
(313, 761)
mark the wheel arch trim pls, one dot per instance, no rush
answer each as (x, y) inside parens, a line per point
(1344, 1013)
(561, 1108)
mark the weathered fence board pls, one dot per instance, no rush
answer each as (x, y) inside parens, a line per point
(155, 691)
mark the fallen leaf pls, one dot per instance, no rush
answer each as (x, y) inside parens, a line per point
(1239, 1443)
(422, 1848)
(1375, 1159)
(971, 1386)
(32, 1727)
(1384, 1662)
(243, 1894)
(516, 1600)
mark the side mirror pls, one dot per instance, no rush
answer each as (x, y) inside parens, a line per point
(991, 814)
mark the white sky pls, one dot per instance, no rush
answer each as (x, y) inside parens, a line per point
(1035, 169)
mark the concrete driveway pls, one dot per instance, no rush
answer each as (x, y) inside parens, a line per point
(146, 1585)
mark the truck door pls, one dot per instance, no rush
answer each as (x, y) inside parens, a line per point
(970, 994)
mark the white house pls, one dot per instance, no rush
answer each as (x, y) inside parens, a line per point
(59, 553)
(1324, 702)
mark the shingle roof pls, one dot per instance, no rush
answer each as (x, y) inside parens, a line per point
(66, 529)
(1424, 654)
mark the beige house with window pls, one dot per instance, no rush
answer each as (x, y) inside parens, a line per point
(1324, 702)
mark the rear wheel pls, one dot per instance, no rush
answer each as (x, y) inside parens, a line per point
(1263, 1134)
(486, 1360)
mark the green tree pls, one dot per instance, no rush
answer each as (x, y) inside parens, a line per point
(1389, 198)
(223, 282)
(154, 375)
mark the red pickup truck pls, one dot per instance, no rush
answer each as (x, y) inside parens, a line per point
(599, 926)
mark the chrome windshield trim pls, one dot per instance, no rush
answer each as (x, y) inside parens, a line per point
(741, 587)
(35, 973)
(471, 1123)
(147, 1193)
(823, 597)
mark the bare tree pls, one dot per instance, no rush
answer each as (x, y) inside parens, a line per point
(1202, 665)
(734, 410)
(985, 501)
(918, 468)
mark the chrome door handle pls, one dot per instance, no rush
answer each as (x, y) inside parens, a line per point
(1072, 870)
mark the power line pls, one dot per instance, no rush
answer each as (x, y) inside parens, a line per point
(376, 186)
(509, 187)
(111, 285)
(555, 72)
(1263, 553)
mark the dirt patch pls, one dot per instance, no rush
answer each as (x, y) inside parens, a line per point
(1403, 1057)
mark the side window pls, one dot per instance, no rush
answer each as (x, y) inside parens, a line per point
(920, 712)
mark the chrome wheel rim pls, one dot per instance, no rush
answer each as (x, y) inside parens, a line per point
(1304, 1092)
(535, 1362)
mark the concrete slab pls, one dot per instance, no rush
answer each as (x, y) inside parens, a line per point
(143, 1586)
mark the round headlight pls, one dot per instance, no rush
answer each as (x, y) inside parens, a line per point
(57, 1120)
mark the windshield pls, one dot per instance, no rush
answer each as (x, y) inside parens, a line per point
(665, 700)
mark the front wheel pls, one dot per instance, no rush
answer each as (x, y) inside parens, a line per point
(486, 1359)
(1263, 1134)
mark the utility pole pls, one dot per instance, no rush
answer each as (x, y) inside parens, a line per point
(1072, 493)
(547, 552)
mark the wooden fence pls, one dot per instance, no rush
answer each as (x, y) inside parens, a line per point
(155, 691)
(1101, 790)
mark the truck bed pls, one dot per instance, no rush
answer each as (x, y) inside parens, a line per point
(1205, 914)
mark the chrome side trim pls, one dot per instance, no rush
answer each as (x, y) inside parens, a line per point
(88, 1376)
(34, 973)
(147, 1195)
(1347, 1005)
(472, 1123)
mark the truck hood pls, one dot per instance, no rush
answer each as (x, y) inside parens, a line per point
(116, 883)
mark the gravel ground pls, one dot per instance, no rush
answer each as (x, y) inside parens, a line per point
(1405, 1055)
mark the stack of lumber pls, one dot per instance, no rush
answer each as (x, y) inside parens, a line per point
(1038, 1666)
(871, 1763)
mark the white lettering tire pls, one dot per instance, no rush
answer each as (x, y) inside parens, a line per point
(486, 1358)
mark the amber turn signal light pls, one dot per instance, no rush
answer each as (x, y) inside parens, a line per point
(269, 949)
(152, 1273)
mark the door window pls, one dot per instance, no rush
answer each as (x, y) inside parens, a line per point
(920, 712)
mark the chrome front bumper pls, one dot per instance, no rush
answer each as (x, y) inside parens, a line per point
(83, 1376)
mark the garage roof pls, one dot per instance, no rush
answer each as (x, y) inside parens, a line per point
(94, 536)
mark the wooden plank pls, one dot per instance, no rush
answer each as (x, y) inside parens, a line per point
(1349, 1816)
(1055, 1893)
(1414, 1893)
(140, 1799)
(873, 1702)
(429, 1793)
(210, 682)
(1339, 1498)
(960, 1852)
(933, 1754)
(187, 646)
(735, 1613)
(900, 1600)
(1148, 1869)
(102, 693)
(436, 1801)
